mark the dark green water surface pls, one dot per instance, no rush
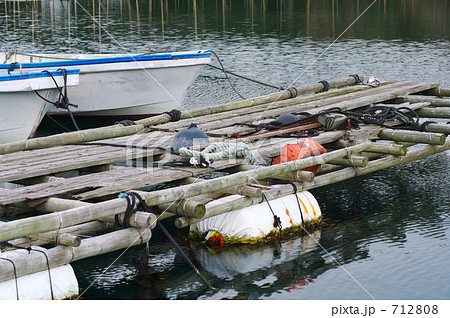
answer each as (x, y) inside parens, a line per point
(386, 235)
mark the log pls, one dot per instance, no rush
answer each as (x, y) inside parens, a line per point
(438, 128)
(438, 91)
(137, 219)
(61, 255)
(434, 112)
(54, 221)
(351, 161)
(60, 239)
(439, 102)
(412, 136)
(297, 176)
(71, 137)
(184, 207)
(387, 148)
(247, 190)
(80, 229)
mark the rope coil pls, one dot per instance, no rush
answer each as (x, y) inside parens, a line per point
(220, 150)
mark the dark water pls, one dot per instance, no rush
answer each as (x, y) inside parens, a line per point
(386, 235)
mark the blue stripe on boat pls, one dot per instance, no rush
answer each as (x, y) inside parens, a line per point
(121, 59)
(15, 77)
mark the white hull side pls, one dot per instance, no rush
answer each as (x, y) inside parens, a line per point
(130, 92)
(21, 113)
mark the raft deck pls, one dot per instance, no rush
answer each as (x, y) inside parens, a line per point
(69, 183)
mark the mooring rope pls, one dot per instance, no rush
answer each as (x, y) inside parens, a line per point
(142, 206)
(63, 101)
(221, 150)
(276, 218)
(298, 202)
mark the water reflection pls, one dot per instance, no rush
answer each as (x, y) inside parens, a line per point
(109, 21)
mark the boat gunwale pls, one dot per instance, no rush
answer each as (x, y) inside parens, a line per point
(42, 74)
(111, 60)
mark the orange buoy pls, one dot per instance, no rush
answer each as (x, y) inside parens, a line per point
(309, 147)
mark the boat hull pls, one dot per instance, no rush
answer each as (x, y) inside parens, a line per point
(122, 86)
(21, 109)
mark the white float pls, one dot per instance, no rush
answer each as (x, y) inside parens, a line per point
(256, 222)
(36, 286)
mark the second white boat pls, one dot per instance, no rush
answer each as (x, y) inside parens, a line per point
(123, 86)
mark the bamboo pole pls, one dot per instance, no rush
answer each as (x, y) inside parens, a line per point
(71, 137)
(137, 219)
(66, 239)
(351, 161)
(80, 229)
(412, 136)
(387, 148)
(54, 221)
(184, 207)
(59, 239)
(298, 176)
(61, 255)
(247, 190)
(434, 112)
(434, 101)
(438, 128)
(438, 91)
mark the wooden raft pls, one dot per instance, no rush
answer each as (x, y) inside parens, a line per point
(67, 189)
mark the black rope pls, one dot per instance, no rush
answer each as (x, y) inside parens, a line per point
(142, 205)
(63, 101)
(226, 75)
(15, 274)
(424, 125)
(29, 249)
(303, 120)
(11, 67)
(379, 115)
(357, 78)
(174, 114)
(247, 78)
(326, 86)
(57, 123)
(125, 122)
(276, 219)
(293, 91)
(298, 202)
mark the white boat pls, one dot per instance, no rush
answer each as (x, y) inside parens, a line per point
(127, 86)
(21, 109)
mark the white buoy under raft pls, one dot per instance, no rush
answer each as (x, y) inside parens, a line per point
(258, 222)
(57, 283)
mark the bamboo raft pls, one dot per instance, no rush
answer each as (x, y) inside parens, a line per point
(69, 183)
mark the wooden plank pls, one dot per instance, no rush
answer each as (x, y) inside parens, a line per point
(157, 177)
(83, 158)
(65, 186)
